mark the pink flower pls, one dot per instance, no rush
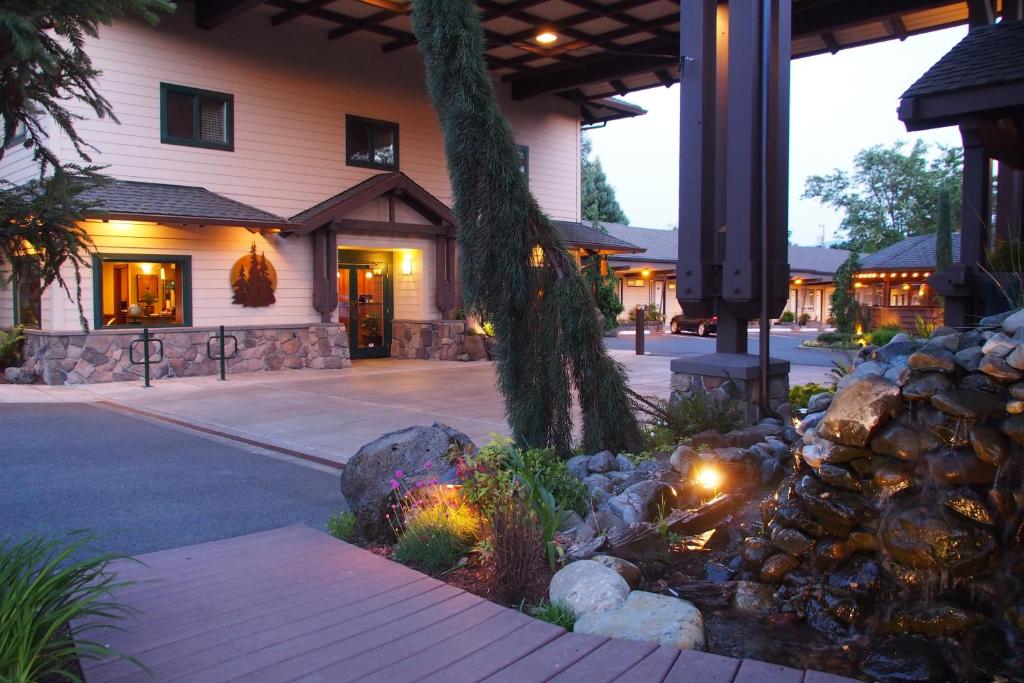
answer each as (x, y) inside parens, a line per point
(399, 474)
(427, 465)
(394, 484)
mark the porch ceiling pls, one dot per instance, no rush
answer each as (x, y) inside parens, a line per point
(601, 48)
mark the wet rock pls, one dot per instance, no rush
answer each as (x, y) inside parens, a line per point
(587, 586)
(741, 438)
(603, 462)
(973, 405)
(977, 381)
(651, 618)
(998, 345)
(994, 321)
(808, 422)
(838, 512)
(1015, 407)
(923, 386)
(862, 541)
(894, 477)
(969, 505)
(756, 550)
(861, 576)
(906, 660)
(1017, 391)
(776, 567)
(932, 359)
(1016, 358)
(819, 402)
(831, 552)
(989, 444)
(751, 596)
(935, 621)
(790, 541)
(922, 537)
(955, 468)
(627, 570)
(811, 455)
(998, 368)
(969, 358)
(900, 346)
(1013, 427)
(716, 572)
(578, 465)
(898, 373)
(904, 439)
(639, 502)
(836, 475)
(793, 516)
(869, 368)
(771, 472)
(859, 410)
(836, 453)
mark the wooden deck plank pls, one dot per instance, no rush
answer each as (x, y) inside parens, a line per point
(439, 659)
(705, 667)
(365, 662)
(653, 667)
(315, 636)
(294, 603)
(607, 662)
(550, 660)
(493, 658)
(753, 671)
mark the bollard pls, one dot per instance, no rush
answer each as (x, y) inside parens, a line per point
(641, 323)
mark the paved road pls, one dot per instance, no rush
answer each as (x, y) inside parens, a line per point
(141, 486)
(784, 345)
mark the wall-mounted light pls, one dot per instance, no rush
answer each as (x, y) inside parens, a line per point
(645, 273)
(146, 268)
(369, 275)
(798, 281)
(537, 256)
(407, 264)
(546, 37)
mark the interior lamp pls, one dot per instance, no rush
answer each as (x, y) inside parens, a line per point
(546, 37)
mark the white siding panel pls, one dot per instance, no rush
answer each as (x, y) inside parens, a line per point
(6, 300)
(292, 89)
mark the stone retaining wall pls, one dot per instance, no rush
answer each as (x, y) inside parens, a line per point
(436, 340)
(744, 392)
(103, 355)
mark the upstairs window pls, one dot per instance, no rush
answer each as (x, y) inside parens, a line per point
(198, 118)
(370, 143)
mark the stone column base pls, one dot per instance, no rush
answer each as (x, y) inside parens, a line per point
(727, 376)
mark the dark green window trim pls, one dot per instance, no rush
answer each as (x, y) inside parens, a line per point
(198, 95)
(373, 123)
(182, 261)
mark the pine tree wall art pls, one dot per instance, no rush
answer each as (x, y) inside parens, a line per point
(253, 280)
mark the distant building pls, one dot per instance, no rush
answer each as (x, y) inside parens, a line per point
(891, 284)
(649, 277)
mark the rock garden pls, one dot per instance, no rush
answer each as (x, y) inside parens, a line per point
(876, 533)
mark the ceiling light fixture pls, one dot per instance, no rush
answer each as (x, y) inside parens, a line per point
(546, 37)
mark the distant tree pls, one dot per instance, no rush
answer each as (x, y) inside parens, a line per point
(845, 309)
(599, 204)
(944, 232)
(890, 195)
(43, 67)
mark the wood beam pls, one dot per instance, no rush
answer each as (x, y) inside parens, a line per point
(834, 16)
(665, 78)
(830, 41)
(210, 14)
(619, 86)
(597, 70)
(980, 13)
(349, 225)
(288, 15)
(895, 26)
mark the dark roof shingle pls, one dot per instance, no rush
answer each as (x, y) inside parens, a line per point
(913, 252)
(988, 55)
(583, 235)
(179, 202)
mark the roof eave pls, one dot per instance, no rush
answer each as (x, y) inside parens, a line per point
(942, 109)
(176, 219)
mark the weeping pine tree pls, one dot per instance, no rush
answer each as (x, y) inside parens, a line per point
(516, 272)
(944, 232)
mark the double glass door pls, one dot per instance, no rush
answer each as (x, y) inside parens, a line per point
(365, 306)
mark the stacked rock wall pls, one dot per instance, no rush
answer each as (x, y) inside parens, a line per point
(103, 355)
(436, 340)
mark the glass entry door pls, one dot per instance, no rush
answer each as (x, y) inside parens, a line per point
(365, 306)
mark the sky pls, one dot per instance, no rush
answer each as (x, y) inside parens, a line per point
(841, 104)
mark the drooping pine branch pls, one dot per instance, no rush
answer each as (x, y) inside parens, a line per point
(550, 345)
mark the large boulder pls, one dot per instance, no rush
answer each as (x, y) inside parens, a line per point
(925, 537)
(650, 618)
(859, 410)
(421, 454)
(587, 586)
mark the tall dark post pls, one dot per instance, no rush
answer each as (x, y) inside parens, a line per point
(733, 186)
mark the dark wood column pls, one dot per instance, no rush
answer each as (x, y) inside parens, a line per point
(325, 272)
(447, 294)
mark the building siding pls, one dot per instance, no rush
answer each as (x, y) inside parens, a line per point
(291, 92)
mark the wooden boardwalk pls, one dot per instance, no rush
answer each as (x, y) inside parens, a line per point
(296, 604)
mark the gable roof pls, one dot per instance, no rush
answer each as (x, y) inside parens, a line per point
(913, 252)
(585, 236)
(133, 200)
(366, 191)
(824, 260)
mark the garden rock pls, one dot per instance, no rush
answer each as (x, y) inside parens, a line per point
(923, 386)
(1016, 358)
(969, 358)
(820, 402)
(624, 463)
(626, 569)
(859, 410)
(808, 422)
(649, 617)
(19, 375)
(932, 359)
(639, 502)
(587, 587)
(681, 459)
(973, 405)
(603, 462)
(421, 453)
(751, 596)
(578, 465)
(1014, 323)
(997, 367)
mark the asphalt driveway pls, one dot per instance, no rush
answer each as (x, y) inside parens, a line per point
(141, 486)
(785, 345)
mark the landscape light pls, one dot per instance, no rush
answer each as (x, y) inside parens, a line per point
(709, 477)
(546, 37)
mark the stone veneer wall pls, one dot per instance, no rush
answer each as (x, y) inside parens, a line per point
(745, 391)
(103, 355)
(436, 340)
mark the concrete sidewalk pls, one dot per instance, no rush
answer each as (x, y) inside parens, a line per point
(329, 414)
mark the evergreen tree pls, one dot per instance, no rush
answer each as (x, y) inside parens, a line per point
(549, 342)
(944, 232)
(845, 309)
(599, 204)
(43, 66)
(240, 287)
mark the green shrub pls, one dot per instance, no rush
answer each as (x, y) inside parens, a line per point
(554, 613)
(669, 422)
(651, 314)
(344, 526)
(434, 535)
(836, 337)
(49, 603)
(800, 394)
(923, 328)
(11, 345)
(804, 318)
(787, 317)
(883, 334)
